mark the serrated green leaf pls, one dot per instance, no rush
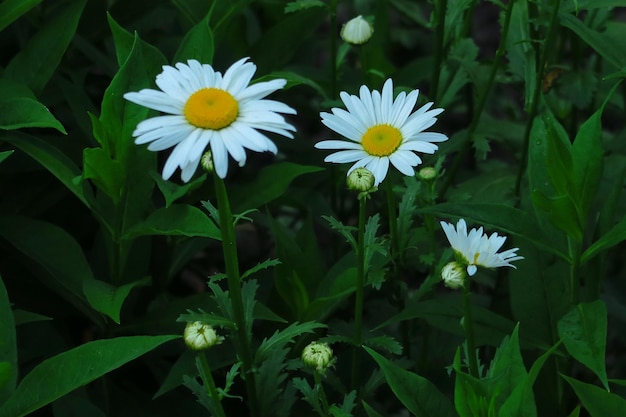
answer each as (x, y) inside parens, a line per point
(418, 394)
(37, 60)
(310, 394)
(208, 318)
(386, 343)
(11, 10)
(109, 299)
(177, 219)
(583, 330)
(74, 368)
(282, 337)
(268, 263)
(598, 402)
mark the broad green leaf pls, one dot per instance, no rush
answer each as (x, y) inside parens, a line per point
(109, 299)
(172, 191)
(446, 313)
(520, 51)
(106, 173)
(583, 331)
(21, 111)
(296, 6)
(282, 337)
(577, 5)
(124, 42)
(36, 62)
(505, 218)
(370, 411)
(197, 44)
(507, 367)
(177, 219)
(11, 10)
(184, 365)
(561, 211)
(75, 404)
(4, 155)
(75, 368)
(8, 346)
(270, 183)
(55, 161)
(598, 402)
(418, 394)
(56, 252)
(614, 236)
(608, 48)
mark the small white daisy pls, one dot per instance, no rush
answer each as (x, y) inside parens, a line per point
(206, 108)
(380, 130)
(476, 249)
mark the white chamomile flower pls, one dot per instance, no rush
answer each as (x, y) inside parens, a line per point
(476, 249)
(381, 130)
(205, 108)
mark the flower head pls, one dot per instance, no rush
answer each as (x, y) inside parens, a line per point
(200, 336)
(205, 108)
(381, 130)
(453, 275)
(318, 355)
(357, 31)
(476, 249)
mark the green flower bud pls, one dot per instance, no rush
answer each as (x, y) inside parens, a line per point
(427, 174)
(207, 162)
(360, 180)
(318, 356)
(453, 275)
(200, 336)
(357, 31)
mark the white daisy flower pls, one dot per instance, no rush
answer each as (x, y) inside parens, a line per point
(205, 108)
(380, 130)
(476, 249)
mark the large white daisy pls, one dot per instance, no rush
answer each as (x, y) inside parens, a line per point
(206, 108)
(476, 249)
(380, 130)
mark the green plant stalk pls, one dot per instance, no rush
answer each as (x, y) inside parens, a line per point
(333, 49)
(322, 394)
(534, 103)
(209, 383)
(468, 326)
(440, 10)
(482, 100)
(229, 246)
(360, 287)
(574, 253)
(393, 223)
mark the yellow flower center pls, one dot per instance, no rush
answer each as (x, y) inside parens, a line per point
(211, 108)
(381, 140)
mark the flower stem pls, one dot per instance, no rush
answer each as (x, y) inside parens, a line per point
(322, 395)
(209, 383)
(534, 103)
(333, 49)
(574, 252)
(482, 100)
(229, 246)
(468, 326)
(440, 10)
(360, 284)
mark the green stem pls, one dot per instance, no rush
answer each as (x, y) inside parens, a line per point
(322, 395)
(440, 10)
(334, 32)
(547, 47)
(574, 252)
(229, 246)
(393, 225)
(360, 286)
(468, 326)
(482, 100)
(209, 383)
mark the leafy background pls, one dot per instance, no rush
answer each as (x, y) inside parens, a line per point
(100, 257)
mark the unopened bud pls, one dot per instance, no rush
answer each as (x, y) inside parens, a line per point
(357, 31)
(207, 162)
(453, 275)
(427, 174)
(360, 180)
(318, 356)
(200, 336)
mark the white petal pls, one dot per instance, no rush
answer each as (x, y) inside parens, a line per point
(220, 156)
(337, 144)
(345, 156)
(156, 100)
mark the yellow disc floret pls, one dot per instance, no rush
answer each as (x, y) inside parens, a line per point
(211, 108)
(381, 140)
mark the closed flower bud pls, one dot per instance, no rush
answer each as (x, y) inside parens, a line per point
(318, 356)
(207, 161)
(357, 31)
(427, 174)
(200, 336)
(453, 275)
(361, 180)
